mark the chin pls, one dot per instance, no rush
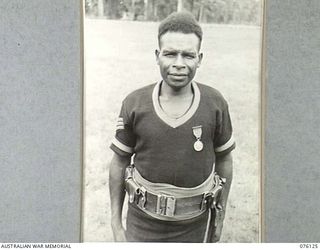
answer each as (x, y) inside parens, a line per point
(177, 84)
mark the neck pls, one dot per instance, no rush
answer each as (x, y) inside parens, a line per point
(167, 91)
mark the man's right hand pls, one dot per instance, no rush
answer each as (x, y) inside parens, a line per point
(119, 234)
(117, 193)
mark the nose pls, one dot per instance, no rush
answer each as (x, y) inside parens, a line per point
(179, 62)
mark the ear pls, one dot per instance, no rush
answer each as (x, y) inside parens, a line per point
(200, 59)
(157, 52)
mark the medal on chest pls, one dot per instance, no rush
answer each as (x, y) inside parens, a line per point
(197, 132)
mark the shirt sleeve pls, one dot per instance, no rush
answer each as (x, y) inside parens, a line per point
(124, 140)
(223, 138)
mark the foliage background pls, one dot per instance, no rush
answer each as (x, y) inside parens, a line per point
(206, 11)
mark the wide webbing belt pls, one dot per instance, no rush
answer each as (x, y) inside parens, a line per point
(169, 207)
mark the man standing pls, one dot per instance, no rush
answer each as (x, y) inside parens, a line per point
(179, 135)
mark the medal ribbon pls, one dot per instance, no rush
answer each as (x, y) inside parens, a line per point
(197, 132)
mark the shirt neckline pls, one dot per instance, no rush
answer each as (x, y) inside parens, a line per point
(173, 122)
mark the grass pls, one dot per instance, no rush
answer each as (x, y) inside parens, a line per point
(119, 58)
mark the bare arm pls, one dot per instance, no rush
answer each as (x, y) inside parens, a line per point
(116, 186)
(224, 169)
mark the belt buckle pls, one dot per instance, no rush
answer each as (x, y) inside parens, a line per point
(166, 205)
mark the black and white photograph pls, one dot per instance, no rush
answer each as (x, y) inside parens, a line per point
(172, 121)
(183, 121)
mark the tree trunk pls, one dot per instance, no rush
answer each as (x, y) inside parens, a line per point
(201, 12)
(150, 13)
(100, 8)
(155, 10)
(114, 4)
(191, 6)
(132, 5)
(180, 5)
(146, 10)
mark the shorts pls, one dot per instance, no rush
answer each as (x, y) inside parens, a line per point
(144, 228)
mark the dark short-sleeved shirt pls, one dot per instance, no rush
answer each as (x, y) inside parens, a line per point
(164, 152)
(164, 147)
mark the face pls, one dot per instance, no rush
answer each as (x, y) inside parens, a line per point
(178, 58)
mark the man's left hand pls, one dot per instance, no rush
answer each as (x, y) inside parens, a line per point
(217, 234)
(220, 212)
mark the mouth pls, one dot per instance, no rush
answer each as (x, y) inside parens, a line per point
(178, 75)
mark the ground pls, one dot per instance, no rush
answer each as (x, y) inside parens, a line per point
(119, 57)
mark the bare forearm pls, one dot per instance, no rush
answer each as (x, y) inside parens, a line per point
(116, 186)
(224, 168)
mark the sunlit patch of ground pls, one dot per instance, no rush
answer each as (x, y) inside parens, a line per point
(120, 58)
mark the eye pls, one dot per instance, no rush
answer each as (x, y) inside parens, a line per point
(189, 56)
(169, 54)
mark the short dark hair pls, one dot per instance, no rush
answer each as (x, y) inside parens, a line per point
(183, 22)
